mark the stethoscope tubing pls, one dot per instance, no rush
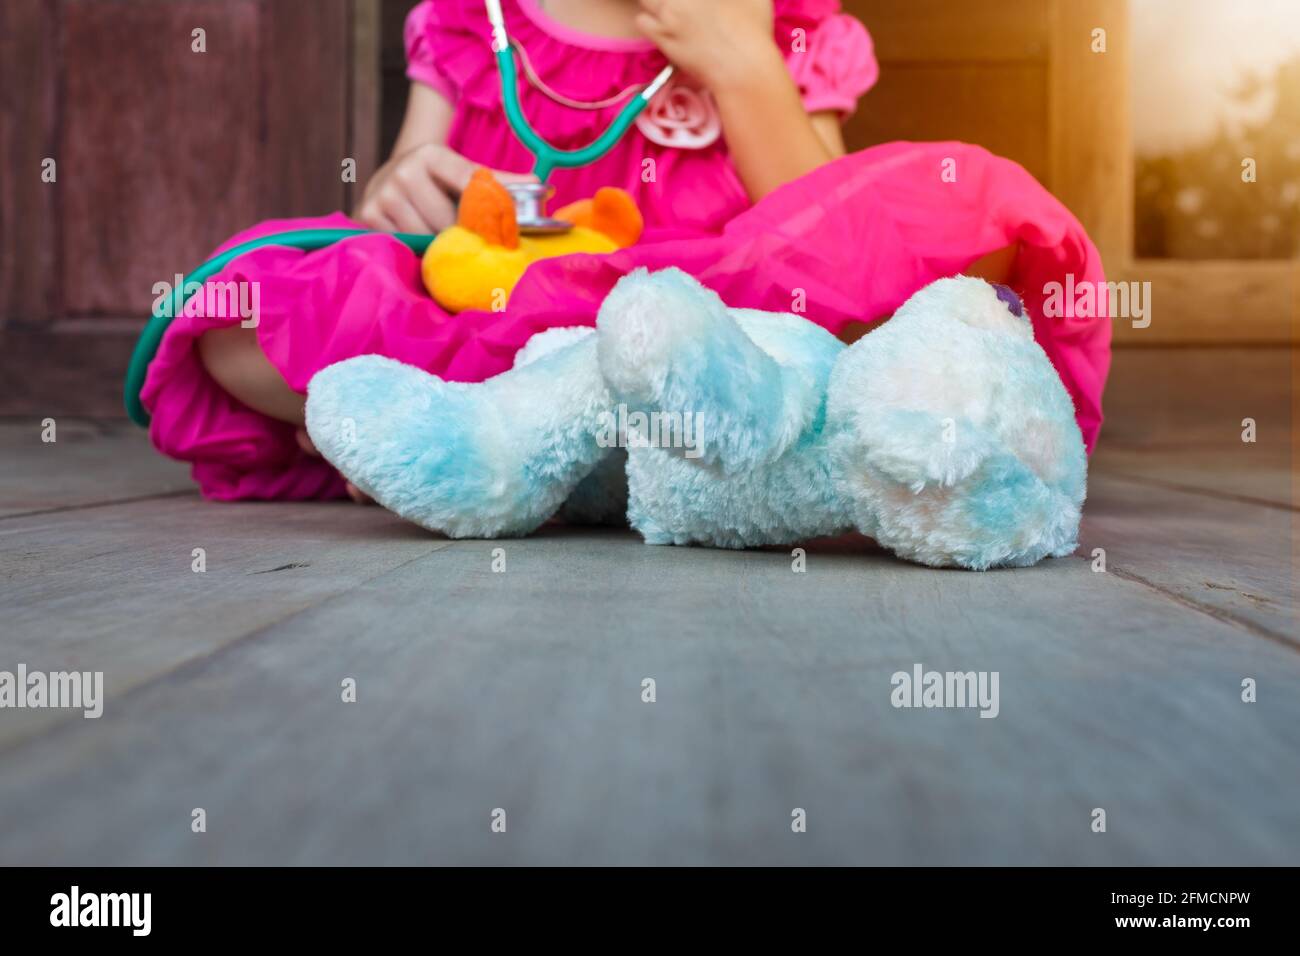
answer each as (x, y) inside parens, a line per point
(146, 346)
(548, 157)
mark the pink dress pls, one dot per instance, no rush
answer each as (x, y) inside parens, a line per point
(854, 238)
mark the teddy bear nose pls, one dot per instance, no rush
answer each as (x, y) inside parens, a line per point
(1011, 299)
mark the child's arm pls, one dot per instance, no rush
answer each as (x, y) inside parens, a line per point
(728, 46)
(416, 190)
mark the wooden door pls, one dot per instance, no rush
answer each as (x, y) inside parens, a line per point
(136, 136)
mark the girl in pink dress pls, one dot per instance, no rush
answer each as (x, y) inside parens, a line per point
(738, 168)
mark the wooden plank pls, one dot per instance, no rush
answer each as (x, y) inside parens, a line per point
(522, 690)
(1295, 454)
(88, 463)
(393, 15)
(1180, 501)
(941, 31)
(159, 152)
(1171, 399)
(1247, 477)
(28, 291)
(1294, 339)
(365, 119)
(113, 589)
(1175, 418)
(50, 370)
(395, 85)
(1000, 106)
(1089, 122)
(1212, 303)
(1230, 557)
(396, 88)
(306, 47)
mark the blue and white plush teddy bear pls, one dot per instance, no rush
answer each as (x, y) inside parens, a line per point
(944, 434)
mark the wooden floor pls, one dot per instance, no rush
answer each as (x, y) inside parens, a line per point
(522, 690)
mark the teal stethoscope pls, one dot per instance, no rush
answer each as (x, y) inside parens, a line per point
(529, 199)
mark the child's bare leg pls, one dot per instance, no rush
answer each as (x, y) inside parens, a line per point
(235, 361)
(995, 267)
(853, 331)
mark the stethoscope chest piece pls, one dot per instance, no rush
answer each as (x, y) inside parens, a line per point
(530, 209)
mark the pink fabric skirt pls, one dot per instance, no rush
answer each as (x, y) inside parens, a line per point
(850, 241)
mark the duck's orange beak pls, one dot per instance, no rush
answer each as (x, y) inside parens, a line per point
(487, 210)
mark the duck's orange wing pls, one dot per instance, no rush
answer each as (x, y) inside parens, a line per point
(611, 212)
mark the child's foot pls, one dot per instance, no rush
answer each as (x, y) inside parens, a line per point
(305, 443)
(309, 446)
(356, 494)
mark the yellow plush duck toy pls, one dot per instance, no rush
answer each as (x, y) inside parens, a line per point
(476, 263)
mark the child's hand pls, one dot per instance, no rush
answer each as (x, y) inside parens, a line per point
(728, 45)
(417, 191)
(712, 41)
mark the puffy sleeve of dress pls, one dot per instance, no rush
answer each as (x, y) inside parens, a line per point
(829, 54)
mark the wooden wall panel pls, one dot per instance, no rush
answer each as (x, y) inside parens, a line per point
(1207, 302)
(160, 154)
(308, 109)
(49, 369)
(975, 71)
(163, 152)
(1001, 106)
(169, 151)
(943, 31)
(393, 71)
(28, 37)
(1091, 138)
(393, 22)
(365, 104)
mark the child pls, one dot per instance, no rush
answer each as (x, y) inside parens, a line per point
(738, 168)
